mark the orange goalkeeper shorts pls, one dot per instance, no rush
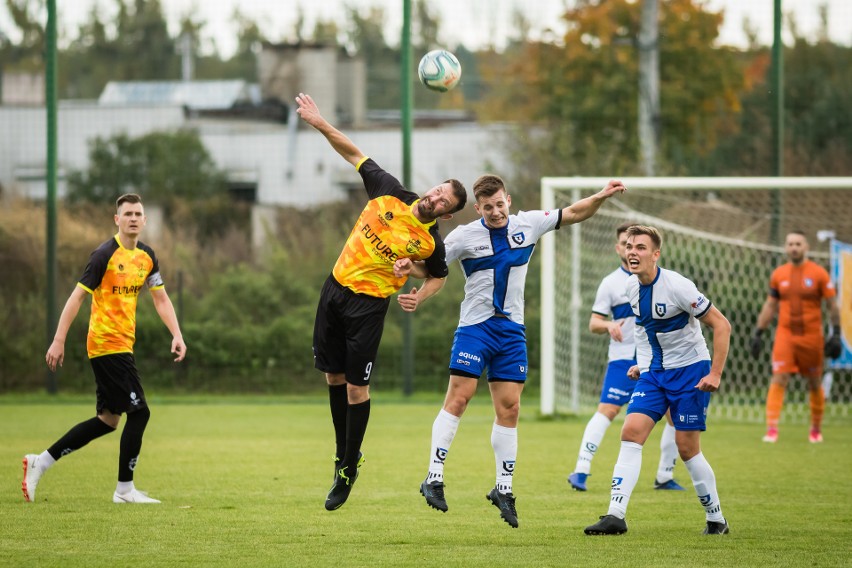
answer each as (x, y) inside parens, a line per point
(802, 354)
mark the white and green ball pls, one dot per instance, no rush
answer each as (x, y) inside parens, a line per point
(439, 70)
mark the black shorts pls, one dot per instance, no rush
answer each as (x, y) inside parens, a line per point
(118, 386)
(347, 331)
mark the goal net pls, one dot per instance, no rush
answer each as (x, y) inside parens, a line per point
(723, 234)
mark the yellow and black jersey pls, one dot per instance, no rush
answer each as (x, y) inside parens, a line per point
(387, 230)
(114, 277)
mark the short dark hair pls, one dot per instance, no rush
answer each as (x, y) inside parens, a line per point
(459, 192)
(487, 185)
(127, 198)
(651, 232)
(623, 228)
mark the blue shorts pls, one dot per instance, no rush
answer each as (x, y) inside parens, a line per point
(617, 386)
(497, 344)
(673, 389)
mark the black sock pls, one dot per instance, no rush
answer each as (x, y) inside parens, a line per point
(356, 427)
(131, 442)
(339, 403)
(79, 436)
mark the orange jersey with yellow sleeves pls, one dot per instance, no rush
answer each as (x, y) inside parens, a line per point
(800, 290)
(114, 277)
(387, 230)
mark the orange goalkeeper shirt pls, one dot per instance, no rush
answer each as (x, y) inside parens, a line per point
(387, 230)
(800, 290)
(114, 277)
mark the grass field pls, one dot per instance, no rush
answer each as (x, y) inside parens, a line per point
(243, 484)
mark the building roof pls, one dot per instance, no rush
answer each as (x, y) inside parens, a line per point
(200, 95)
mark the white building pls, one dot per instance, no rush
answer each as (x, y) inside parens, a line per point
(252, 132)
(284, 164)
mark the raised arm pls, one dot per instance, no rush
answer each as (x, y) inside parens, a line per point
(310, 113)
(585, 208)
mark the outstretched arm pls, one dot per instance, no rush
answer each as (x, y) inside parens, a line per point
(56, 352)
(166, 310)
(310, 113)
(585, 208)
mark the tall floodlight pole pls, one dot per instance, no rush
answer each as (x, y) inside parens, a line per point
(649, 85)
(50, 105)
(407, 103)
(777, 121)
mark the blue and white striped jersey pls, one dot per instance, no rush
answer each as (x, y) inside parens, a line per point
(668, 335)
(611, 302)
(495, 263)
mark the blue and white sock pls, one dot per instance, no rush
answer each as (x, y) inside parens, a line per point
(704, 481)
(624, 478)
(505, 443)
(594, 433)
(443, 431)
(668, 455)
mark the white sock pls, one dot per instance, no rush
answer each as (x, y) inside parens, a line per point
(595, 430)
(668, 454)
(443, 431)
(704, 481)
(624, 478)
(505, 443)
(124, 487)
(45, 461)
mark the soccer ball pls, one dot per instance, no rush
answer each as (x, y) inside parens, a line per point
(439, 70)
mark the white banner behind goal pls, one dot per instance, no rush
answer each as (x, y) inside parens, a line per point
(722, 233)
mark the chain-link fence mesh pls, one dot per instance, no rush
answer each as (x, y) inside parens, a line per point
(723, 241)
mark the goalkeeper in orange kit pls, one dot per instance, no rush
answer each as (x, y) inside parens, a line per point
(797, 291)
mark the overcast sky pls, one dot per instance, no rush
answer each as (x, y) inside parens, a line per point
(472, 22)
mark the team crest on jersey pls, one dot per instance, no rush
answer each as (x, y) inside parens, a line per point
(519, 238)
(413, 246)
(808, 282)
(660, 309)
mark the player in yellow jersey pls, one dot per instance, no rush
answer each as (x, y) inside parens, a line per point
(354, 300)
(116, 273)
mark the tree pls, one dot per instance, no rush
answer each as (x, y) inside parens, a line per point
(28, 53)
(583, 90)
(366, 38)
(817, 116)
(160, 166)
(97, 56)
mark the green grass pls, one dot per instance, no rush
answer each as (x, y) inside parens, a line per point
(243, 484)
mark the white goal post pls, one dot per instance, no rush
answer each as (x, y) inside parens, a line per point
(718, 231)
